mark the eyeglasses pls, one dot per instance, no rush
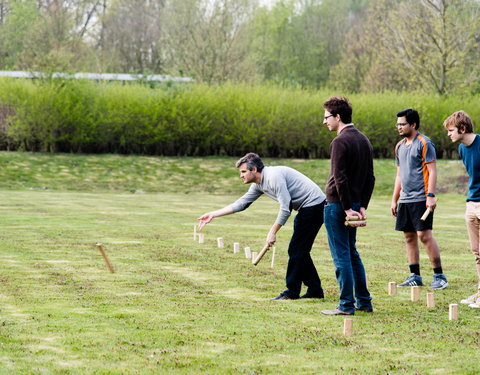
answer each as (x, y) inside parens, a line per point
(326, 117)
(401, 124)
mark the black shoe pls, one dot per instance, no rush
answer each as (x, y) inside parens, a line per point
(281, 297)
(308, 295)
(363, 310)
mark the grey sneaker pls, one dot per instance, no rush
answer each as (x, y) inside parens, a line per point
(412, 280)
(470, 300)
(439, 281)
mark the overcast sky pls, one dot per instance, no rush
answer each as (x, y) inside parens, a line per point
(267, 2)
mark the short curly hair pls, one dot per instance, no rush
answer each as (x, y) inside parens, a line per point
(461, 120)
(339, 105)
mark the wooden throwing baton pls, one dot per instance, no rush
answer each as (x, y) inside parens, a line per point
(427, 212)
(350, 220)
(105, 257)
(261, 254)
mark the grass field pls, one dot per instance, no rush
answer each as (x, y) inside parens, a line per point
(175, 306)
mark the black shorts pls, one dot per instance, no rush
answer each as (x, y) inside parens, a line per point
(408, 217)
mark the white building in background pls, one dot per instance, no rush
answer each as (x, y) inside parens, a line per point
(97, 76)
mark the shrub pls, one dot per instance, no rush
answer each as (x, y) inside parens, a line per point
(55, 115)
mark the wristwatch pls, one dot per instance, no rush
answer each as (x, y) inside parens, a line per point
(431, 195)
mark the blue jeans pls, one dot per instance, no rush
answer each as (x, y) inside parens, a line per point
(349, 268)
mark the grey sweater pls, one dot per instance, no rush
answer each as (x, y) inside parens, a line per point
(292, 189)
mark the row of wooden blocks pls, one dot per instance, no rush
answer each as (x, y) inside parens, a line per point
(236, 246)
(415, 297)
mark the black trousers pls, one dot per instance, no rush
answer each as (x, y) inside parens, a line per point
(300, 264)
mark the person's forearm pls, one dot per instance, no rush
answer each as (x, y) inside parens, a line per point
(275, 228)
(397, 187)
(396, 190)
(432, 178)
(272, 234)
(209, 216)
(227, 210)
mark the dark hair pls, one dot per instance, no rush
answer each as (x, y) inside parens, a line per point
(411, 115)
(252, 160)
(339, 106)
(461, 120)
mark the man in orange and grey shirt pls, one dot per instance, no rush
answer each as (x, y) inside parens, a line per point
(413, 193)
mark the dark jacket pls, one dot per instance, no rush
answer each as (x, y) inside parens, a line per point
(351, 173)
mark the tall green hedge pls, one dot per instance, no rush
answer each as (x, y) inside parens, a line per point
(91, 117)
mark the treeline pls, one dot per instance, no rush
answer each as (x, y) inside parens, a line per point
(196, 120)
(350, 45)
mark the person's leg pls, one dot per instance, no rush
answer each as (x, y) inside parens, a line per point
(404, 223)
(472, 219)
(413, 258)
(300, 264)
(411, 246)
(338, 240)
(364, 300)
(310, 274)
(431, 246)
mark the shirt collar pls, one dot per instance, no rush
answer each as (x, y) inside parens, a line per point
(346, 126)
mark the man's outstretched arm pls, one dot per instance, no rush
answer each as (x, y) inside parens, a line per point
(208, 217)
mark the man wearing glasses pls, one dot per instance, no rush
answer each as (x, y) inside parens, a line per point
(413, 194)
(349, 189)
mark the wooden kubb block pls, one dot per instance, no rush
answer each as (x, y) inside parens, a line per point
(415, 293)
(430, 300)
(347, 327)
(392, 288)
(236, 247)
(453, 312)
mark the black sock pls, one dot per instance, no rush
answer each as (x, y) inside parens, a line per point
(438, 270)
(415, 268)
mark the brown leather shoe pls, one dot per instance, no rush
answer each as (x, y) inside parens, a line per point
(335, 312)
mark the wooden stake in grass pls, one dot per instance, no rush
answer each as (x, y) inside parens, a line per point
(392, 288)
(201, 238)
(236, 247)
(254, 256)
(248, 253)
(273, 257)
(430, 300)
(453, 311)
(347, 327)
(220, 242)
(105, 257)
(415, 293)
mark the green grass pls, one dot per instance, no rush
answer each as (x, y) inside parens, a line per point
(178, 307)
(137, 174)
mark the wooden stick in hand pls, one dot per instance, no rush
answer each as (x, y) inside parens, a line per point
(261, 254)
